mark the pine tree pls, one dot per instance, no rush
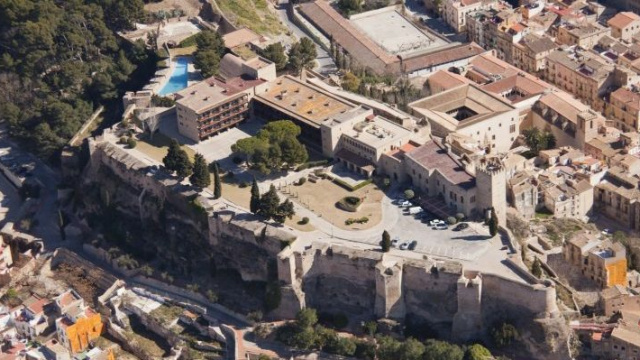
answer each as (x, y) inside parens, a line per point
(285, 210)
(200, 177)
(386, 241)
(254, 205)
(493, 223)
(217, 185)
(536, 269)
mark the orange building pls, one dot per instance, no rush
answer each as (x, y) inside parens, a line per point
(602, 261)
(79, 324)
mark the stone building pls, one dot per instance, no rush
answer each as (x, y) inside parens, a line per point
(530, 53)
(522, 194)
(571, 122)
(471, 111)
(624, 109)
(624, 25)
(602, 261)
(584, 35)
(454, 12)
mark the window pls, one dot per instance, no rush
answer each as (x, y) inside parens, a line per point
(473, 199)
(512, 128)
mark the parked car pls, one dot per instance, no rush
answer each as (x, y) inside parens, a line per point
(405, 203)
(436, 222)
(412, 245)
(441, 226)
(414, 210)
(395, 242)
(461, 226)
(607, 232)
(404, 246)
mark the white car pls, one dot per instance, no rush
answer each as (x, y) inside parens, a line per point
(436, 222)
(395, 242)
(441, 226)
(405, 203)
(404, 246)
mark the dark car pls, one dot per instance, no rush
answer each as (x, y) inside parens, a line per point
(412, 245)
(460, 226)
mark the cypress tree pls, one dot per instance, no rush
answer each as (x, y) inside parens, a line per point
(217, 186)
(170, 161)
(183, 165)
(200, 177)
(254, 205)
(493, 223)
(385, 244)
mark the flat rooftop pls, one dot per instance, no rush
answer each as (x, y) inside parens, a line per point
(395, 33)
(213, 91)
(374, 131)
(304, 102)
(433, 156)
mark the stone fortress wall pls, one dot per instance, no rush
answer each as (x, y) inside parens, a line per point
(362, 284)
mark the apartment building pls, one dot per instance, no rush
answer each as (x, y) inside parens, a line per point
(624, 109)
(497, 28)
(78, 324)
(530, 53)
(213, 105)
(522, 194)
(586, 75)
(471, 111)
(582, 34)
(602, 261)
(31, 318)
(566, 198)
(617, 196)
(624, 25)
(454, 12)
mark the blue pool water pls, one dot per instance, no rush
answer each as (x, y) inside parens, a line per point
(179, 77)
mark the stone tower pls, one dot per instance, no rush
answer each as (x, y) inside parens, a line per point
(491, 188)
(467, 322)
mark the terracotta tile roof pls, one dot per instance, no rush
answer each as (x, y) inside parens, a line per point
(35, 304)
(628, 97)
(344, 33)
(565, 105)
(623, 19)
(460, 52)
(433, 156)
(446, 80)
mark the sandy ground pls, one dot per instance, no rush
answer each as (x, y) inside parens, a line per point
(190, 7)
(321, 198)
(242, 197)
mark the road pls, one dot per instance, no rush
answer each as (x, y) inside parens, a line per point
(324, 63)
(47, 213)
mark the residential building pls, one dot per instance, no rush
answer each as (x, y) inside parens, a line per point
(616, 197)
(624, 109)
(210, 106)
(522, 194)
(530, 53)
(78, 324)
(624, 25)
(255, 67)
(566, 198)
(584, 35)
(31, 319)
(571, 122)
(617, 341)
(586, 75)
(470, 110)
(455, 11)
(51, 350)
(602, 261)
(497, 28)
(358, 138)
(244, 37)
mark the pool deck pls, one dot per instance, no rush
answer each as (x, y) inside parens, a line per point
(165, 74)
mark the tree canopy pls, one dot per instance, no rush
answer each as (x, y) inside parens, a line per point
(275, 146)
(177, 160)
(270, 207)
(210, 51)
(302, 55)
(538, 140)
(58, 61)
(275, 52)
(200, 176)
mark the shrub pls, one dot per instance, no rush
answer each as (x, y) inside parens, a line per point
(409, 194)
(123, 140)
(351, 221)
(349, 203)
(304, 221)
(255, 316)
(302, 181)
(452, 220)
(504, 334)
(244, 184)
(190, 41)
(352, 188)
(386, 182)
(340, 320)
(132, 143)
(460, 216)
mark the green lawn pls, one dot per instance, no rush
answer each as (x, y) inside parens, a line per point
(158, 147)
(253, 14)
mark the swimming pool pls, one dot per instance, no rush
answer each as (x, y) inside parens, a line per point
(179, 77)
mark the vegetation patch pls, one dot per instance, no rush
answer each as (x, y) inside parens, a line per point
(349, 187)
(351, 221)
(349, 203)
(253, 14)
